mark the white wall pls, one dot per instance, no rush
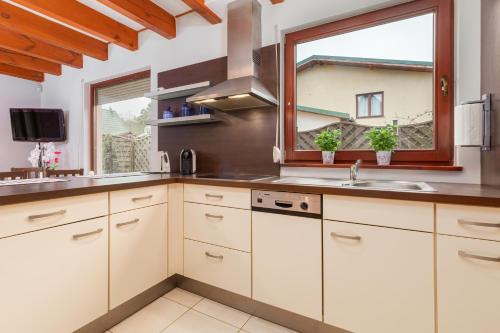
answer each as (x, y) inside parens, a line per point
(196, 41)
(15, 93)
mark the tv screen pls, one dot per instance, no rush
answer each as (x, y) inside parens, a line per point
(37, 125)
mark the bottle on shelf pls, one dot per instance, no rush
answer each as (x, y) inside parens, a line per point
(185, 110)
(168, 113)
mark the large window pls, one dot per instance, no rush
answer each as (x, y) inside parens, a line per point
(121, 140)
(380, 68)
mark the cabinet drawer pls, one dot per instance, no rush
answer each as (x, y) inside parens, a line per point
(124, 200)
(54, 280)
(218, 266)
(467, 287)
(30, 216)
(136, 252)
(229, 227)
(468, 221)
(216, 195)
(381, 212)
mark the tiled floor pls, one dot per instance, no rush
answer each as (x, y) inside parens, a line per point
(180, 311)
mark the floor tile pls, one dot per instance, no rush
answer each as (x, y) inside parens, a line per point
(196, 322)
(151, 319)
(222, 312)
(258, 325)
(183, 297)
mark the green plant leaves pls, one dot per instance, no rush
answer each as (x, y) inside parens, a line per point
(383, 138)
(328, 140)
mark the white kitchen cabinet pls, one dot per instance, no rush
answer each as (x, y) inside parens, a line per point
(120, 201)
(218, 266)
(136, 251)
(468, 285)
(32, 216)
(54, 280)
(218, 195)
(401, 214)
(229, 227)
(378, 280)
(286, 262)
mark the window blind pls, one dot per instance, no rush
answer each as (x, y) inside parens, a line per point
(122, 91)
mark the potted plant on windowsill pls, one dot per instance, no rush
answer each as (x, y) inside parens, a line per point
(383, 140)
(328, 141)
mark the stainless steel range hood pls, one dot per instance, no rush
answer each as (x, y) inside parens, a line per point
(243, 89)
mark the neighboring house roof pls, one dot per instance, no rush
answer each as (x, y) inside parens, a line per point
(341, 115)
(424, 66)
(112, 123)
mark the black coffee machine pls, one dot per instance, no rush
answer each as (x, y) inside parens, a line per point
(188, 162)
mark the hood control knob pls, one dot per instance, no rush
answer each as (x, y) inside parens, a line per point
(304, 205)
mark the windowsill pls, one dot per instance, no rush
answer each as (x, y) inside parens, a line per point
(368, 165)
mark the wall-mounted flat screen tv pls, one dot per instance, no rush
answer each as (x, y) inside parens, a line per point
(38, 125)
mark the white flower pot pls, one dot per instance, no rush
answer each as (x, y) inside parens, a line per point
(384, 157)
(328, 157)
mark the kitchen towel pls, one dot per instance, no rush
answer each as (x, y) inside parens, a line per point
(469, 125)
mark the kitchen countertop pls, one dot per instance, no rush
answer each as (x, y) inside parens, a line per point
(465, 194)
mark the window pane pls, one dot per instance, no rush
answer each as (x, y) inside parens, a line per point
(368, 78)
(376, 105)
(123, 139)
(363, 106)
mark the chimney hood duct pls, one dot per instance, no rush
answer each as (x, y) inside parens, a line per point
(243, 89)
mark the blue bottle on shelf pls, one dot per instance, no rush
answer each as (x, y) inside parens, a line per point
(185, 110)
(167, 114)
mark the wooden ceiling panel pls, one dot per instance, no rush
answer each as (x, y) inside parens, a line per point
(22, 21)
(146, 13)
(21, 73)
(16, 42)
(86, 19)
(202, 9)
(20, 60)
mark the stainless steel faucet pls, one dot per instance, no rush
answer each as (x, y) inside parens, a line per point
(353, 176)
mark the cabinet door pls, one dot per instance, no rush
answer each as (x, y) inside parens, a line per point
(135, 252)
(468, 286)
(286, 262)
(54, 280)
(378, 280)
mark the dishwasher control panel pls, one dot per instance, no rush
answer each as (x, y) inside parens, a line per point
(282, 202)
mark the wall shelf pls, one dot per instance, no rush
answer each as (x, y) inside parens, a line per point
(181, 91)
(188, 120)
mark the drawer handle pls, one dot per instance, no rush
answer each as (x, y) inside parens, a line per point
(479, 224)
(211, 216)
(78, 236)
(118, 225)
(41, 216)
(464, 254)
(147, 197)
(208, 254)
(336, 235)
(214, 196)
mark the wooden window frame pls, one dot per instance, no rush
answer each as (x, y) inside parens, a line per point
(93, 87)
(370, 95)
(442, 153)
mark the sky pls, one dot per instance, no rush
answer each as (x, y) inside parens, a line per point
(129, 108)
(409, 39)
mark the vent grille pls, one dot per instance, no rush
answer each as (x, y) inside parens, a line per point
(256, 58)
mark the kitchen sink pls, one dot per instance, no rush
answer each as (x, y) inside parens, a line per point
(392, 185)
(388, 185)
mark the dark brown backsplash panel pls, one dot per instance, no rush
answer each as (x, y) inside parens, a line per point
(241, 142)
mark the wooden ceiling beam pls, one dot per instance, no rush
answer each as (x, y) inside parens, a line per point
(20, 43)
(147, 13)
(21, 73)
(25, 22)
(202, 9)
(28, 62)
(86, 19)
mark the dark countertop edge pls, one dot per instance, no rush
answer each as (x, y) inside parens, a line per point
(476, 195)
